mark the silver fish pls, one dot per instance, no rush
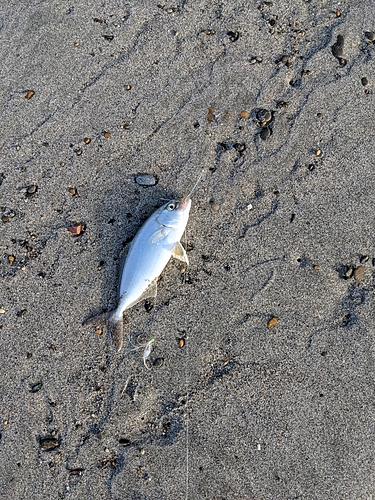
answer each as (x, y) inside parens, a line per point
(155, 243)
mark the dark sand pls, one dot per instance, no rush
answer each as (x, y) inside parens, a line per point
(282, 226)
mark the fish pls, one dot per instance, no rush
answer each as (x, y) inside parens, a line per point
(149, 252)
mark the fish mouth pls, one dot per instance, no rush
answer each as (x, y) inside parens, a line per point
(184, 204)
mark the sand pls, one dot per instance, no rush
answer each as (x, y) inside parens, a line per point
(261, 384)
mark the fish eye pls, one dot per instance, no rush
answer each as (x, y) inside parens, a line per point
(171, 206)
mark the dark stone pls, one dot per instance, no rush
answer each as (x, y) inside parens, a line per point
(49, 443)
(146, 180)
(35, 387)
(233, 35)
(338, 47)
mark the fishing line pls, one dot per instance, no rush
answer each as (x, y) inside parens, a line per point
(195, 185)
(187, 417)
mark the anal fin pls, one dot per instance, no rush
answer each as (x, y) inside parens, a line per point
(179, 252)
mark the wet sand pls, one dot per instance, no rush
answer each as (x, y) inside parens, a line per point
(261, 384)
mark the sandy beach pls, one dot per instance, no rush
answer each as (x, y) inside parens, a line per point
(261, 379)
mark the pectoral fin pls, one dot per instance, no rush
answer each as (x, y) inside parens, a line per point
(178, 252)
(158, 235)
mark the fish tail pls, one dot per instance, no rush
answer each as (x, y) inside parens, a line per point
(111, 319)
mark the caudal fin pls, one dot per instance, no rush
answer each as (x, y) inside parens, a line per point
(110, 319)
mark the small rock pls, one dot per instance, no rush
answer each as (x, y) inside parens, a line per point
(364, 81)
(49, 443)
(181, 343)
(36, 387)
(359, 273)
(2, 311)
(76, 229)
(124, 441)
(264, 116)
(29, 94)
(210, 115)
(158, 362)
(31, 190)
(348, 274)
(107, 135)
(128, 87)
(73, 191)
(146, 180)
(272, 322)
(148, 306)
(338, 47)
(87, 140)
(11, 259)
(265, 133)
(240, 147)
(370, 35)
(215, 207)
(363, 259)
(244, 114)
(233, 35)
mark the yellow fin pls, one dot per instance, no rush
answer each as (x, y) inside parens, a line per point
(178, 252)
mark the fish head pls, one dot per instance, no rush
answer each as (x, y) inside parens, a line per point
(175, 213)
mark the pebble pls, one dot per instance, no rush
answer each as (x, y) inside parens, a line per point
(338, 47)
(210, 114)
(233, 35)
(158, 362)
(107, 135)
(73, 191)
(272, 322)
(36, 387)
(215, 207)
(318, 152)
(87, 140)
(359, 273)
(364, 81)
(76, 229)
(370, 35)
(49, 443)
(363, 259)
(264, 116)
(348, 273)
(128, 87)
(244, 114)
(2, 311)
(146, 180)
(265, 133)
(181, 343)
(124, 441)
(31, 189)
(29, 94)
(11, 259)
